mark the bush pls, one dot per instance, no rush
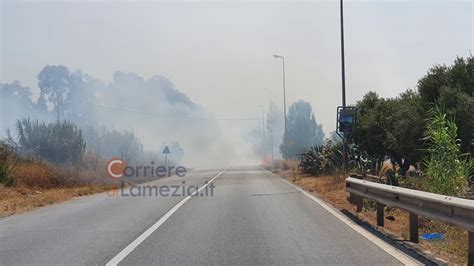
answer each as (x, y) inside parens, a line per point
(7, 163)
(447, 168)
(329, 158)
(5, 177)
(312, 160)
(58, 142)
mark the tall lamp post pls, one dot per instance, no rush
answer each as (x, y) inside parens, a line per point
(284, 103)
(343, 79)
(343, 71)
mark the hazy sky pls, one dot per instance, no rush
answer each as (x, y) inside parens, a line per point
(220, 53)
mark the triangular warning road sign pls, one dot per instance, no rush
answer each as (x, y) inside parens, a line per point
(166, 150)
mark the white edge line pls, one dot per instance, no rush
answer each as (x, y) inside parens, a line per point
(394, 252)
(124, 253)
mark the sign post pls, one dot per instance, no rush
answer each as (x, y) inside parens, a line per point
(346, 122)
(166, 151)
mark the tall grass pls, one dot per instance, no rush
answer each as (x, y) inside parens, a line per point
(446, 167)
(59, 142)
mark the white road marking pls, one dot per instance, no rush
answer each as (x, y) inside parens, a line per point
(394, 252)
(124, 253)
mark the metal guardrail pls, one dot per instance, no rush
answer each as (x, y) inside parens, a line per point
(456, 211)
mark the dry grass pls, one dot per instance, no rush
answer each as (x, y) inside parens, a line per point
(284, 165)
(34, 174)
(38, 183)
(331, 188)
(21, 199)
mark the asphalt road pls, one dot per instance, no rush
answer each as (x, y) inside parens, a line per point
(253, 217)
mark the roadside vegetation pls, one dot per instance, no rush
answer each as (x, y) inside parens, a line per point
(47, 164)
(422, 139)
(447, 169)
(51, 162)
(55, 148)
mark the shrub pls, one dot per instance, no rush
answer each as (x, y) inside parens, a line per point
(332, 152)
(447, 168)
(58, 142)
(322, 159)
(7, 164)
(5, 177)
(312, 160)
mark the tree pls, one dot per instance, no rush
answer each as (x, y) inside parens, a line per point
(79, 104)
(41, 105)
(370, 131)
(54, 83)
(113, 143)
(274, 126)
(452, 87)
(390, 128)
(15, 102)
(404, 119)
(303, 130)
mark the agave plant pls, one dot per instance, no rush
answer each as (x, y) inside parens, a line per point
(311, 160)
(332, 153)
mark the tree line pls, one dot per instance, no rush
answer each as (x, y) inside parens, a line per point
(394, 128)
(429, 128)
(75, 113)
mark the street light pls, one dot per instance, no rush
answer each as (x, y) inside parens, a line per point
(343, 71)
(343, 81)
(284, 103)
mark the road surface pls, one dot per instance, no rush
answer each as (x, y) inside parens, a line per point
(253, 217)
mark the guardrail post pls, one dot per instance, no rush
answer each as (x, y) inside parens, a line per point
(455, 211)
(470, 248)
(380, 214)
(360, 203)
(413, 228)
